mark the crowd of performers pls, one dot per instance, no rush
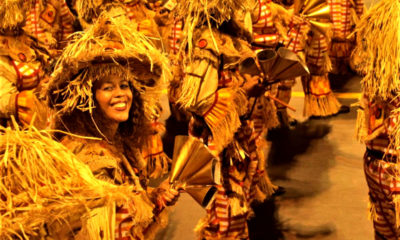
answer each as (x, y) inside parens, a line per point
(84, 79)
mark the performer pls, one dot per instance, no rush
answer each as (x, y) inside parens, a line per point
(47, 193)
(344, 14)
(378, 120)
(142, 20)
(312, 44)
(106, 85)
(136, 10)
(270, 22)
(50, 22)
(216, 40)
(23, 67)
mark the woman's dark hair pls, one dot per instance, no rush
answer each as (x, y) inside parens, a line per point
(133, 131)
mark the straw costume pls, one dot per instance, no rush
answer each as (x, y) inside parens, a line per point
(142, 17)
(344, 15)
(112, 47)
(310, 40)
(47, 193)
(142, 20)
(216, 40)
(378, 119)
(22, 69)
(50, 22)
(270, 22)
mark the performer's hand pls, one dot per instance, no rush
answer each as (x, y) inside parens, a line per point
(297, 19)
(167, 197)
(253, 86)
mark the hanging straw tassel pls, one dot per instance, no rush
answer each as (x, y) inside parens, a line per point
(99, 220)
(222, 117)
(379, 29)
(43, 183)
(238, 207)
(156, 160)
(320, 101)
(361, 125)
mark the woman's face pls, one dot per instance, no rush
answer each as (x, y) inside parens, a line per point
(114, 98)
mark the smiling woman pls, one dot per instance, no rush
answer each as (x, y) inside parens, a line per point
(114, 98)
(105, 87)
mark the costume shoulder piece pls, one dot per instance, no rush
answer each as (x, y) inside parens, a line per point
(97, 154)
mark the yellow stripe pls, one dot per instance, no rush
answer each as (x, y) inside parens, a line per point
(350, 95)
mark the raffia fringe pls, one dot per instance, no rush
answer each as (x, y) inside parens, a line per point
(238, 207)
(156, 160)
(259, 196)
(380, 34)
(160, 222)
(188, 92)
(223, 118)
(266, 186)
(161, 164)
(141, 208)
(99, 219)
(270, 114)
(326, 105)
(54, 186)
(361, 129)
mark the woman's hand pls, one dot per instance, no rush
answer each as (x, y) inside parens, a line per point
(167, 195)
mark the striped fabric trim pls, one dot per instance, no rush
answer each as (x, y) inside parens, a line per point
(359, 7)
(33, 24)
(225, 79)
(341, 18)
(318, 47)
(28, 76)
(264, 30)
(66, 22)
(176, 35)
(295, 36)
(123, 224)
(384, 184)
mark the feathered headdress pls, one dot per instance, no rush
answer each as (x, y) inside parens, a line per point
(110, 46)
